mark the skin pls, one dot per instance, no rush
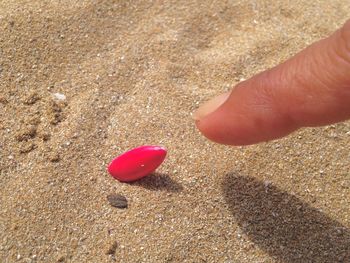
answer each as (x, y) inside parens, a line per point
(310, 89)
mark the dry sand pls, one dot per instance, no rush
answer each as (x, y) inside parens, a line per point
(132, 72)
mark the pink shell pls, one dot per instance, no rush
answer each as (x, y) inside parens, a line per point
(137, 163)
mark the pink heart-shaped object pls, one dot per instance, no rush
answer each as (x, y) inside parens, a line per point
(137, 163)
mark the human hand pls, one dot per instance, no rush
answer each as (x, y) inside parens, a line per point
(310, 89)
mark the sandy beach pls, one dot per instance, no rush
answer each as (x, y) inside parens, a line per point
(83, 81)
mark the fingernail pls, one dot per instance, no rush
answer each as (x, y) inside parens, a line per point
(210, 106)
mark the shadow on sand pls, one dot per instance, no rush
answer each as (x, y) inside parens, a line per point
(159, 182)
(283, 225)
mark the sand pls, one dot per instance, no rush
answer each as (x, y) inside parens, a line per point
(131, 73)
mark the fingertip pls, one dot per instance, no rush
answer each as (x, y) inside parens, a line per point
(210, 106)
(220, 128)
(249, 116)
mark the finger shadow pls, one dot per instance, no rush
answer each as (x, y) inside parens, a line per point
(283, 225)
(159, 182)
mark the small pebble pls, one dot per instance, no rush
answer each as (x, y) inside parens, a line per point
(59, 96)
(117, 200)
(3, 100)
(31, 99)
(26, 133)
(112, 248)
(45, 136)
(27, 147)
(137, 163)
(61, 258)
(54, 157)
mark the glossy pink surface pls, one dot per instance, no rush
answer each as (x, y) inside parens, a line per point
(137, 163)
